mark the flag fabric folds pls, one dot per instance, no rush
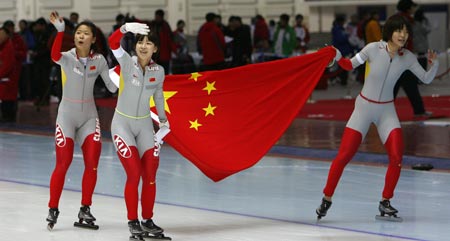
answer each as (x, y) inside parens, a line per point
(226, 121)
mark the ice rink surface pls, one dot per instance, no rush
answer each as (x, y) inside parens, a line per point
(274, 200)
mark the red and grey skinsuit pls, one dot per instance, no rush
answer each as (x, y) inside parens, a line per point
(77, 119)
(132, 127)
(375, 104)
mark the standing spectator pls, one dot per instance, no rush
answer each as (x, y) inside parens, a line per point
(73, 18)
(211, 42)
(8, 81)
(41, 59)
(284, 39)
(341, 42)
(373, 28)
(162, 28)
(421, 29)
(25, 77)
(408, 80)
(20, 52)
(120, 20)
(302, 34)
(241, 46)
(261, 34)
(182, 62)
(352, 30)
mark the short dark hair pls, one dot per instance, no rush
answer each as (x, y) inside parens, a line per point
(151, 36)
(284, 17)
(404, 5)
(159, 12)
(210, 16)
(394, 23)
(8, 23)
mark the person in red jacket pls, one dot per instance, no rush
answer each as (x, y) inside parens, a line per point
(8, 77)
(211, 42)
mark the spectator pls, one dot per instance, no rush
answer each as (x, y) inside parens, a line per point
(284, 39)
(340, 40)
(302, 34)
(261, 35)
(421, 29)
(182, 62)
(211, 42)
(8, 80)
(162, 28)
(373, 28)
(241, 46)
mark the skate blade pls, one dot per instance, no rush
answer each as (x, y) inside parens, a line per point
(85, 225)
(50, 226)
(389, 218)
(136, 238)
(160, 236)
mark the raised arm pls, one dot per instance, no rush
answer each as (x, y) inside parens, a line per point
(114, 39)
(58, 22)
(426, 76)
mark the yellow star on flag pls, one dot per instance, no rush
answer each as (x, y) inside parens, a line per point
(209, 110)
(167, 95)
(195, 124)
(210, 87)
(195, 76)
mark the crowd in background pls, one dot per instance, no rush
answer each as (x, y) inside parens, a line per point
(220, 46)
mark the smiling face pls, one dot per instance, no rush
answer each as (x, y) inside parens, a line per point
(399, 37)
(84, 37)
(145, 48)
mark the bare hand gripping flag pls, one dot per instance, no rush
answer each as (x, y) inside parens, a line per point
(226, 121)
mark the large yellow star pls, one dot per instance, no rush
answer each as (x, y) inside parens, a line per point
(209, 110)
(210, 87)
(195, 124)
(195, 76)
(167, 95)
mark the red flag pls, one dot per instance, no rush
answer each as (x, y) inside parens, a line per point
(226, 121)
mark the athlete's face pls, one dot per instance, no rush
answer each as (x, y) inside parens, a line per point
(145, 49)
(84, 37)
(399, 37)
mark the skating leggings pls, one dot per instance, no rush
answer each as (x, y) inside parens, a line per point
(64, 153)
(135, 167)
(385, 118)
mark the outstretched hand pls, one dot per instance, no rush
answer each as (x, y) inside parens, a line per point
(57, 21)
(432, 55)
(136, 28)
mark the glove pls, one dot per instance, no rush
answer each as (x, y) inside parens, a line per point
(166, 124)
(136, 28)
(57, 21)
(338, 55)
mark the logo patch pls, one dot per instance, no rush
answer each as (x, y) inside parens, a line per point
(122, 147)
(60, 139)
(97, 134)
(92, 67)
(152, 79)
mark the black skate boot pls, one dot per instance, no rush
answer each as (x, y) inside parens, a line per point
(52, 218)
(385, 208)
(321, 211)
(153, 231)
(135, 230)
(86, 219)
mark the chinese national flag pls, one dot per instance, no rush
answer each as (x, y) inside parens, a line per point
(225, 121)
